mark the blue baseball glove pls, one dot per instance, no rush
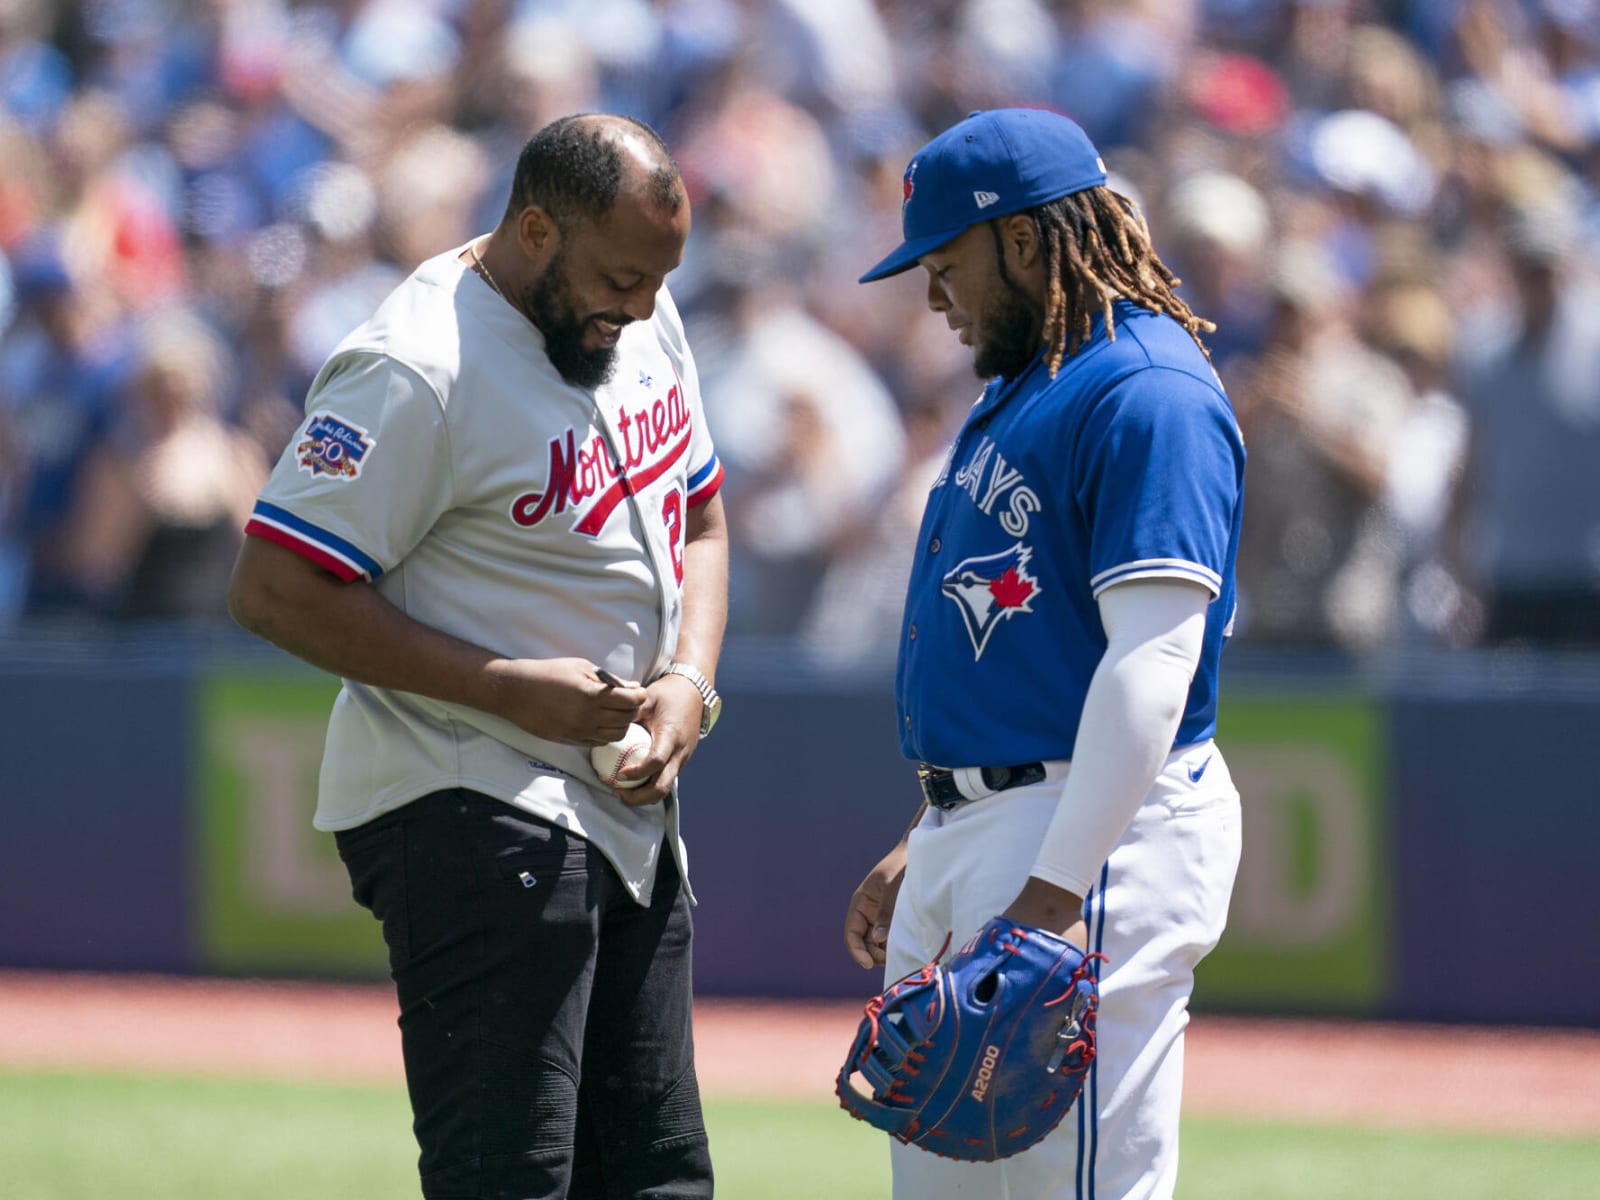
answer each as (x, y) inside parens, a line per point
(982, 1057)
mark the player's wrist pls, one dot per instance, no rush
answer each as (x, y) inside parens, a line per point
(1048, 906)
(487, 688)
(710, 700)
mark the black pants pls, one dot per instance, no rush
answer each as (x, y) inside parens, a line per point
(544, 1015)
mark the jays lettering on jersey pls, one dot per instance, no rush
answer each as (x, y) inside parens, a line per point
(444, 459)
(1128, 465)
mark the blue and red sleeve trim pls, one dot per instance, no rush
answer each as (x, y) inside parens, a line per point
(327, 550)
(705, 482)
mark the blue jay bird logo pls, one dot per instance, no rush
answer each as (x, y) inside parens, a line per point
(990, 588)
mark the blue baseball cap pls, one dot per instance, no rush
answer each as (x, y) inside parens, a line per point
(990, 165)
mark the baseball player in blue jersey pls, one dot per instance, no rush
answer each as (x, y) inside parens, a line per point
(1072, 590)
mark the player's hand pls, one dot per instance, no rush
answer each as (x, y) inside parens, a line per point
(671, 712)
(565, 700)
(866, 923)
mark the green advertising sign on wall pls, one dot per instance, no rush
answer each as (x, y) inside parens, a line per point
(272, 896)
(1308, 926)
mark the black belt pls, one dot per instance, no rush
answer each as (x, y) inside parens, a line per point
(940, 790)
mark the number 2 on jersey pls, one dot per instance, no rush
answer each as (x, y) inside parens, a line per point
(672, 514)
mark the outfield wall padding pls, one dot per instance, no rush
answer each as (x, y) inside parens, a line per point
(1419, 843)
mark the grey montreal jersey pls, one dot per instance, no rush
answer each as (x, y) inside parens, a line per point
(443, 458)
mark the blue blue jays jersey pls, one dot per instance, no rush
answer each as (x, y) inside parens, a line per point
(1128, 465)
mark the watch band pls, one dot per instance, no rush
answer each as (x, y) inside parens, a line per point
(712, 702)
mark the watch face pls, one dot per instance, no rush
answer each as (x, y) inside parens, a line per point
(713, 711)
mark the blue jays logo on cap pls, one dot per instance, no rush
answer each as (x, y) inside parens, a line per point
(990, 165)
(333, 446)
(990, 588)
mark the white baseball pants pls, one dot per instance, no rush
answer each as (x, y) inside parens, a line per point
(1158, 909)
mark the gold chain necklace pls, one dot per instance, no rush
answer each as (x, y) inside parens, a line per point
(483, 269)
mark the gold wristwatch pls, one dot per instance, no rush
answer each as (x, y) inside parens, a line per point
(713, 702)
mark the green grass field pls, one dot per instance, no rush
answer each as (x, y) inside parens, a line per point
(88, 1137)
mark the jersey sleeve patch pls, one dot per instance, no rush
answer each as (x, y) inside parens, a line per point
(1157, 568)
(333, 447)
(327, 550)
(705, 482)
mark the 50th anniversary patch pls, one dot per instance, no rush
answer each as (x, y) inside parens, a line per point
(333, 446)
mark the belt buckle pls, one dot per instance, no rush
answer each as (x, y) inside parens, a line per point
(928, 777)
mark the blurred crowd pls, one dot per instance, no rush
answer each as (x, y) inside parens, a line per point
(1388, 209)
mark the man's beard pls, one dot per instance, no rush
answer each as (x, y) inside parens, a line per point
(1010, 334)
(548, 300)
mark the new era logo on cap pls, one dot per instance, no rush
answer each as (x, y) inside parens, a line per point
(990, 165)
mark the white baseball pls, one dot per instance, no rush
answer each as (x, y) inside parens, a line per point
(611, 758)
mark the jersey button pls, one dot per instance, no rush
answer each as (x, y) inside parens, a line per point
(933, 546)
(908, 722)
(913, 633)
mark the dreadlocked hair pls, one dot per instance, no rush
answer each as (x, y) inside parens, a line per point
(1097, 248)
